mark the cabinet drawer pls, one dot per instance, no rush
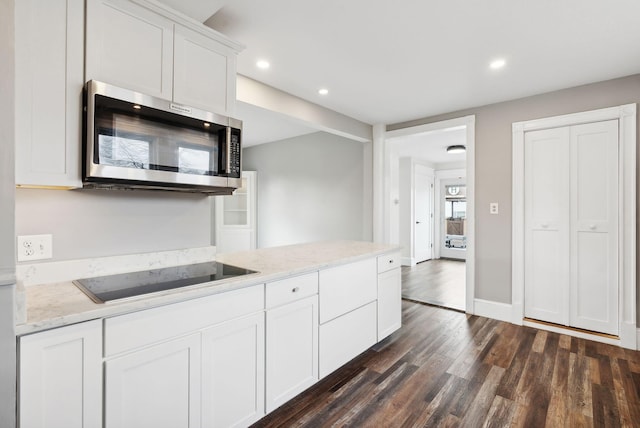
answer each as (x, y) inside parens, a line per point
(388, 261)
(291, 289)
(346, 337)
(137, 329)
(347, 287)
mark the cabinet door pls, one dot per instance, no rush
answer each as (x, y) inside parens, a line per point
(345, 337)
(60, 377)
(546, 220)
(129, 46)
(233, 372)
(347, 287)
(203, 69)
(49, 80)
(389, 302)
(236, 217)
(292, 350)
(155, 387)
(594, 227)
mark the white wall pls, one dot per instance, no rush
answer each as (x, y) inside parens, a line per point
(310, 188)
(7, 186)
(493, 168)
(96, 223)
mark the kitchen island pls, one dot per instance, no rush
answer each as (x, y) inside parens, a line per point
(222, 353)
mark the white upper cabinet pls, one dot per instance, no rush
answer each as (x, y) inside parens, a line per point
(140, 45)
(49, 79)
(236, 217)
(129, 46)
(204, 72)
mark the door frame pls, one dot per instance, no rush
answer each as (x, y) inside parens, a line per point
(626, 116)
(430, 173)
(382, 166)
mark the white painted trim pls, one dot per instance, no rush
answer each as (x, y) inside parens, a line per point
(407, 261)
(495, 310)
(573, 333)
(187, 21)
(378, 182)
(626, 115)
(384, 189)
(638, 340)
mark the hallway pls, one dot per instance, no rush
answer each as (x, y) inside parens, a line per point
(438, 282)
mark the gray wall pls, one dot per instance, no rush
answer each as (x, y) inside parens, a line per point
(493, 167)
(95, 223)
(310, 188)
(7, 186)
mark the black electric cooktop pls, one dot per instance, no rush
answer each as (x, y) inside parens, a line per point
(104, 289)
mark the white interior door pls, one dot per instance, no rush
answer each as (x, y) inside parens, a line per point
(594, 227)
(423, 215)
(546, 225)
(571, 226)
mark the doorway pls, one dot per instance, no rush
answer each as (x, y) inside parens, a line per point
(449, 269)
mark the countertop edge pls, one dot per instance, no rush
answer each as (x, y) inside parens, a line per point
(92, 311)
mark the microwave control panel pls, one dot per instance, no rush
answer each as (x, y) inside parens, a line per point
(234, 154)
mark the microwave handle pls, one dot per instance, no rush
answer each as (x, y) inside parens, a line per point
(228, 149)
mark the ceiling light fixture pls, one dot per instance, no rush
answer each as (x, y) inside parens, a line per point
(137, 107)
(262, 64)
(458, 148)
(323, 91)
(497, 64)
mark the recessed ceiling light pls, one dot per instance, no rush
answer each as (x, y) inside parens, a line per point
(137, 107)
(458, 148)
(323, 91)
(498, 63)
(262, 64)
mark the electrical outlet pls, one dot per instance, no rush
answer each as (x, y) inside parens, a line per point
(493, 208)
(34, 247)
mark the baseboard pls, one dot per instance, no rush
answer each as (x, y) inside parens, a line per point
(407, 261)
(495, 310)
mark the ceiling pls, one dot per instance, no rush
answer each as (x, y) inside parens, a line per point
(432, 146)
(390, 62)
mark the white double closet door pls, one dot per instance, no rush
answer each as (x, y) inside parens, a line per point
(571, 226)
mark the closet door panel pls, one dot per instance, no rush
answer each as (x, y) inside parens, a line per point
(594, 227)
(547, 225)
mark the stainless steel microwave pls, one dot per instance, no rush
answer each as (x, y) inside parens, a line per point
(135, 141)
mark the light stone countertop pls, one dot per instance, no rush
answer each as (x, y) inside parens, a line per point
(50, 305)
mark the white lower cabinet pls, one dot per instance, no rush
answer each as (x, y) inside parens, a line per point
(158, 386)
(233, 372)
(348, 312)
(389, 295)
(61, 378)
(223, 360)
(345, 337)
(292, 339)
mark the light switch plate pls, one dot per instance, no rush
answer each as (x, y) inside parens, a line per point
(493, 208)
(34, 247)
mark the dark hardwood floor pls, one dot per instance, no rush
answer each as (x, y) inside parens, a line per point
(438, 282)
(445, 369)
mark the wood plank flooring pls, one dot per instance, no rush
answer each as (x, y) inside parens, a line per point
(448, 369)
(438, 282)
